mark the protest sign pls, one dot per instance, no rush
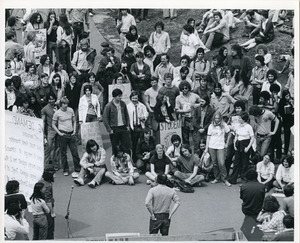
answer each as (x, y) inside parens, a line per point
(125, 88)
(24, 150)
(40, 44)
(166, 131)
(91, 130)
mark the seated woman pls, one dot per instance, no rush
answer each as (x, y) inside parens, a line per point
(284, 174)
(144, 150)
(93, 164)
(262, 50)
(159, 164)
(270, 216)
(265, 172)
(263, 34)
(122, 169)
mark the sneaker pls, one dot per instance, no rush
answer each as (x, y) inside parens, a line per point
(149, 182)
(226, 183)
(79, 181)
(214, 181)
(66, 173)
(130, 181)
(92, 184)
(74, 174)
(199, 184)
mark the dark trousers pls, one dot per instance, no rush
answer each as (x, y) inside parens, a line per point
(269, 185)
(78, 29)
(287, 136)
(255, 94)
(229, 154)
(51, 47)
(241, 161)
(120, 136)
(276, 143)
(50, 235)
(162, 224)
(135, 135)
(40, 227)
(69, 140)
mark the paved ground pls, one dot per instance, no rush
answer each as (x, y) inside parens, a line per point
(111, 209)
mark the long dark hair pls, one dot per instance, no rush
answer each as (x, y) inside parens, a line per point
(91, 143)
(64, 23)
(37, 192)
(59, 85)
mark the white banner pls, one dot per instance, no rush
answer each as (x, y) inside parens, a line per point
(125, 88)
(91, 130)
(167, 130)
(24, 150)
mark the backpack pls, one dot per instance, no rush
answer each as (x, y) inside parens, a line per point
(183, 186)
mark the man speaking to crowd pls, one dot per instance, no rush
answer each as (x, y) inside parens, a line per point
(158, 202)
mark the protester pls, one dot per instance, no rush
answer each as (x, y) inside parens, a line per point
(215, 145)
(266, 171)
(39, 208)
(92, 164)
(122, 169)
(285, 173)
(13, 196)
(158, 203)
(288, 233)
(288, 204)
(159, 39)
(64, 124)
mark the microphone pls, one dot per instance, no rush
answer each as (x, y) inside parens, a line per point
(68, 211)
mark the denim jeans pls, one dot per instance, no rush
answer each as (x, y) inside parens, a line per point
(40, 227)
(213, 38)
(52, 47)
(123, 179)
(98, 172)
(51, 150)
(184, 176)
(69, 140)
(162, 224)
(50, 234)
(218, 160)
(263, 144)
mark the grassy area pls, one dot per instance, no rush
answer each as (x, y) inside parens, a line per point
(279, 46)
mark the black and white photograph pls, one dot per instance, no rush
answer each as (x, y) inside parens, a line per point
(141, 122)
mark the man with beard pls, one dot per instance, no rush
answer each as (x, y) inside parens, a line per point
(51, 158)
(138, 115)
(201, 120)
(109, 65)
(221, 102)
(188, 167)
(151, 59)
(184, 71)
(81, 62)
(271, 79)
(164, 67)
(43, 90)
(185, 105)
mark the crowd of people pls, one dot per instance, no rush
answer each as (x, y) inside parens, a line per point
(233, 114)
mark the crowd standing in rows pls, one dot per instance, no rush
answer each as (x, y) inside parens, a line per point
(213, 100)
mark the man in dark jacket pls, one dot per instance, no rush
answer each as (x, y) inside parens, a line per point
(116, 121)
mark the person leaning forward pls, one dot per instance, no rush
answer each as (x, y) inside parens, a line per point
(158, 202)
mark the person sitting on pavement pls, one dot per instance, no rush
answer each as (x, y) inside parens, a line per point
(92, 163)
(173, 152)
(288, 202)
(284, 174)
(144, 150)
(188, 163)
(13, 196)
(159, 164)
(288, 233)
(266, 170)
(122, 170)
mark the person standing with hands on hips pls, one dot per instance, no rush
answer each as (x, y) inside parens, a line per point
(158, 202)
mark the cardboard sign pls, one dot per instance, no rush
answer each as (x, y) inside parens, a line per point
(125, 88)
(91, 130)
(167, 130)
(24, 150)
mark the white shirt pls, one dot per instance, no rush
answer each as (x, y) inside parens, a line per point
(141, 110)
(244, 131)
(152, 94)
(217, 136)
(127, 21)
(265, 170)
(189, 45)
(13, 227)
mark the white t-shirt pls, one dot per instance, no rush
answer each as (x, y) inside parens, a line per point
(190, 46)
(244, 131)
(217, 136)
(152, 94)
(265, 170)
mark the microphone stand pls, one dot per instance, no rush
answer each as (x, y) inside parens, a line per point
(68, 213)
